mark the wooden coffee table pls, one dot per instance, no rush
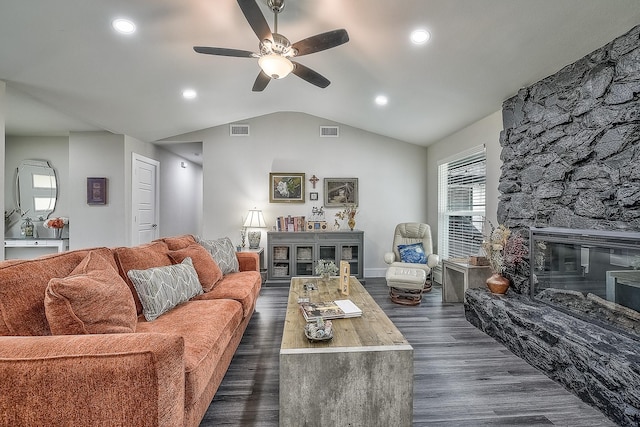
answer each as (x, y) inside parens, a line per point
(362, 377)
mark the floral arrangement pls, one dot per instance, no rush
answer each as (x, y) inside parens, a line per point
(326, 268)
(59, 222)
(349, 212)
(503, 248)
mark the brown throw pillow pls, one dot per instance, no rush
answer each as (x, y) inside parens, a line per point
(93, 299)
(208, 271)
(178, 242)
(140, 257)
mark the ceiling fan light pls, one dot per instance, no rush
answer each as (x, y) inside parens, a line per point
(275, 66)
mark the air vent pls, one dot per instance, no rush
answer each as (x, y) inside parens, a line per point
(329, 131)
(239, 130)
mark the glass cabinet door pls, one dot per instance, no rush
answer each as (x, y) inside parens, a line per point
(281, 261)
(304, 260)
(351, 254)
(328, 253)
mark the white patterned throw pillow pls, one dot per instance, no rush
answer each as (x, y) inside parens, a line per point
(162, 288)
(223, 253)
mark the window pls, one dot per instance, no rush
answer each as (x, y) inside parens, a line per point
(461, 203)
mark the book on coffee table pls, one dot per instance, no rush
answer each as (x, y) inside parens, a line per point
(338, 309)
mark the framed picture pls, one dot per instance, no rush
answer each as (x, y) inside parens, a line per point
(96, 191)
(286, 187)
(340, 191)
(313, 196)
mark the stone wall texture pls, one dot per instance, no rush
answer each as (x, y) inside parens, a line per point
(571, 147)
(571, 158)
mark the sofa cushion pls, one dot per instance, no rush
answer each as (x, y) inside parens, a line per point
(223, 253)
(140, 258)
(22, 287)
(94, 299)
(413, 253)
(207, 328)
(243, 287)
(208, 271)
(178, 242)
(162, 288)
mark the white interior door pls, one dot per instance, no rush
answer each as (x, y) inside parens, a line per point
(145, 203)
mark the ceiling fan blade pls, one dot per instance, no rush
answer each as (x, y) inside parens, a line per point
(306, 73)
(256, 19)
(224, 52)
(321, 42)
(261, 82)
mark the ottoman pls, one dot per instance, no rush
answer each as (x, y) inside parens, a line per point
(406, 285)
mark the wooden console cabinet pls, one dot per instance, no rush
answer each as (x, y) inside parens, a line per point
(293, 254)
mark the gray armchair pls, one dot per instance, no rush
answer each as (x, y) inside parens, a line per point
(409, 233)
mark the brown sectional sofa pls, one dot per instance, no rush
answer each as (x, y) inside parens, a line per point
(163, 374)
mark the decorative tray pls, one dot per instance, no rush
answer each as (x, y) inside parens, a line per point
(318, 331)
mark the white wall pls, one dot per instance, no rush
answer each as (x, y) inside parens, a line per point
(181, 195)
(97, 154)
(392, 176)
(55, 150)
(485, 131)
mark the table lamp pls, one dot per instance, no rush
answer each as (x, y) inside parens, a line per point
(254, 220)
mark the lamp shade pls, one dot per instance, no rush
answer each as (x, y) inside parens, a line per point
(275, 66)
(255, 219)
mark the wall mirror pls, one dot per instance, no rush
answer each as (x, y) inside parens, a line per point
(36, 189)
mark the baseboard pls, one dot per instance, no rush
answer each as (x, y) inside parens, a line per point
(375, 272)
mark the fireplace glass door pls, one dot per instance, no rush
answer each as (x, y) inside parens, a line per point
(606, 264)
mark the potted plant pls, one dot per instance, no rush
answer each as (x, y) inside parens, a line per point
(503, 250)
(324, 268)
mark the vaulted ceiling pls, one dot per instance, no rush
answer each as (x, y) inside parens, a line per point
(67, 70)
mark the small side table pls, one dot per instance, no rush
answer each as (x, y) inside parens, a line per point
(457, 277)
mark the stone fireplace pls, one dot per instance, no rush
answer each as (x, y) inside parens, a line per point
(571, 169)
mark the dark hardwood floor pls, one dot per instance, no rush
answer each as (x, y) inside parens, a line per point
(462, 377)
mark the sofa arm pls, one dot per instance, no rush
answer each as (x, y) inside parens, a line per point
(249, 261)
(389, 257)
(92, 380)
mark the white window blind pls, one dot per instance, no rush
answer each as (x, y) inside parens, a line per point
(461, 203)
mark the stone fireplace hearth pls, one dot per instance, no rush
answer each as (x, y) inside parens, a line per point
(571, 160)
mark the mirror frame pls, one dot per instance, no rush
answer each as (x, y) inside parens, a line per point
(47, 170)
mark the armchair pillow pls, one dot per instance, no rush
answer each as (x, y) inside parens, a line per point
(223, 253)
(413, 253)
(208, 271)
(162, 288)
(93, 299)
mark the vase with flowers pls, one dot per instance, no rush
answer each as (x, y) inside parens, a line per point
(503, 250)
(349, 213)
(56, 224)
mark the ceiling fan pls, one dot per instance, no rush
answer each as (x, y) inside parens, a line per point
(276, 52)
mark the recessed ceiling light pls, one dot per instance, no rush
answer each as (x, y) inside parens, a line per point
(124, 26)
(420, 36)
(382, 100)
(189, 94)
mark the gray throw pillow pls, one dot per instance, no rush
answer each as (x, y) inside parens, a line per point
(162, 288)
(223, 253)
